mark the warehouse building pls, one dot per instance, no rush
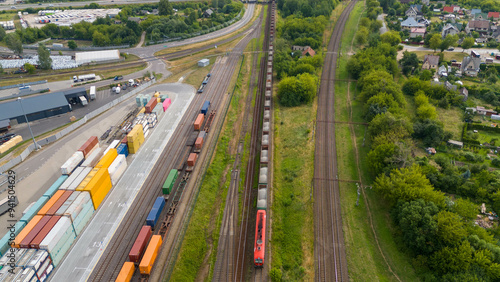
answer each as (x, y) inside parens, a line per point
(97, 56)
(203, 62)
(72, 95)
(36, 108)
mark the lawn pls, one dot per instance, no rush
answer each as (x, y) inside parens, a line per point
(452, 120)
(7, 17)
(448, 56)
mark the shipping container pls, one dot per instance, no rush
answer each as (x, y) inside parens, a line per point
(9, 236)
(75, 160)
(107, 159)
(155, 212)
(34, 209)
(71, 178)
(149, 258)
(67, 203)
(51, 202)
(126, 272)
(122, 149)
(38, 259)
(26, 275)
(53, 209)
(117, 168)
(25, 243)
(93, 158)
(59, 240)
(89, 145)
(169, 182)
(87, 179)
(113, 144)
(192, 159)
(166, 104)
(150, 105)
(43, 232)
(99, 186)
(140, 244)
(205, 107)
(199, 122)
(13, 274)
(86, 171)
(28, 255)
(52, 189)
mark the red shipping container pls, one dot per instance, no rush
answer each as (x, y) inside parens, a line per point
(198, 143)
(199, 121)
(124, 140)
(151, 104)
(25, 243)
(59, 203)
(87, 147)
(46, 229)
(192, 159)
(140, 244)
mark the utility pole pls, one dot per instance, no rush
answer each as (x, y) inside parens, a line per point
(29, 127)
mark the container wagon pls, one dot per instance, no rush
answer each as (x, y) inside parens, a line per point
(126, 272)
(140, 244)
(149, 258)
(205, 107)
(169, 182)
(155, 212)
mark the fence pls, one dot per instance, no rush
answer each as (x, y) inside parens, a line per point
(22, 84)
(84, 48)
(82, 121)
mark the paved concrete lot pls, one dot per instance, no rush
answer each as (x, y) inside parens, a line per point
(85, 253)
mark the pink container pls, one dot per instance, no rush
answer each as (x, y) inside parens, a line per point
(166, 104)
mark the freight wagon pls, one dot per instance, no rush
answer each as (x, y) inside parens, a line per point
(150, 255)
(126, 272)
(169, 182)
(155, 212)
(140, 244)
(205, 107)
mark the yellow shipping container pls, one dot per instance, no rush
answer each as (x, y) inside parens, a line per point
(157, 94)
(143, 110)
(99, 186)
(101, 193)
(135, 133)
(87, 179)
(148, 260)
(17, 139)
(51, 202)
(159, 100)
(107, 159)
(26, 230)
(126, 272)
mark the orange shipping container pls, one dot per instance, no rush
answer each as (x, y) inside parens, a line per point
(59, 202)
(107, 159)
(192, 159)
(51, 202)
(26, 230)
(148, 260)
(199, 121)
(126, 273)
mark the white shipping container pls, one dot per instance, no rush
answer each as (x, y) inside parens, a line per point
(40, 272)
(78, 205)
(57, 232)
(4, 272)
(96, 146)
(26, 258)
(72, 163)
(80, 178)
(12, 274)
(26, 275)
(67, 203)
(117, 168)
(38, 259)
(111, 146)
(71, 178)
(93, 158)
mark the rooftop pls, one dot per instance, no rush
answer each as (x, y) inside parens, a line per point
(31, 105)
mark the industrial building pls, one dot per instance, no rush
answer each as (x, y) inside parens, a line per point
(97, 56)
(35, 108)
(203, 62)
(72, 95)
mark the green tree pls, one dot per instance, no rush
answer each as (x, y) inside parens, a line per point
(29, 68)
(431, 132)
(451, 229)
(452, 259)
(467, 43)
(409, 62)
(435, 41)
(165, 8)
(391, 37)
(99, 39)
(14, 43)
(417, 222)
(294, 91)
(425, 75)
(465, 208)
(2, 33)
(44, 58)
(450, 40)
(362, 36)
(72, 45)
(426, 111)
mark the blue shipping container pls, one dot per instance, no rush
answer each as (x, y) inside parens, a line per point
(11, 233)
(155, 212)
(34, 209)
(122, 150)
(205, 107)
(52, 190)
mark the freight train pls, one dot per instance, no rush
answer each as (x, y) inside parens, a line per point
(263, 187)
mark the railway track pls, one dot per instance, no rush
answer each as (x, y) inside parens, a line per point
(330, 257)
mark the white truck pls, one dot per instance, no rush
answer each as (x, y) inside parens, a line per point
(92, 93)
(84, 77)
(117, 90)
(83, 100)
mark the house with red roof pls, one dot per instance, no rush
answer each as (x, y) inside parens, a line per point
(448, 9)
(494, 15)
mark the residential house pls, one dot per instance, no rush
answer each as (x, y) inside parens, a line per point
(450, 86)
(484, 112)
(424, 21)
(417, 31)
(411, 12)
(470, 66)
(208, 13)
(308, 52)
(430, 151)
(496, 35)
(451, 17)
(430, 62)
(494, 15)
(456, 8)
(475, 11)
(135, 19)
(448, 9)
(300, 48)
(436, 10)
(449, 29)
(481, 16)
(410, 23)
(481, 26)
(144, 12)
(465, 93)
(118, 22)
(481, 40)
(155, 12)
(442, 71)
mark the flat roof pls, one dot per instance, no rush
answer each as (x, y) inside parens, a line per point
(77, 90)
(4, 123)
(12, 109)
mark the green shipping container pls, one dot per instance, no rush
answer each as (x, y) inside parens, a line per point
(169, 183)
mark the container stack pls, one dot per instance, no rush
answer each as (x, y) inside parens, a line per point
(93, 158)
(151, 105)
(117, 168)
(79, 211)
(89, 146)
(135, 138)
(138, 100)
(122, 149)
(152, 119)
(107, 159)
(98, 186)
(158, 111)
(163, 97)
(59, 240)
(75, 160)
(145, 99)
(31, 265)
(113, 144)
(11, 143)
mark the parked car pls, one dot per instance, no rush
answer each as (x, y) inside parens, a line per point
(451, 49)
(118, 77)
